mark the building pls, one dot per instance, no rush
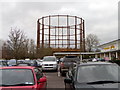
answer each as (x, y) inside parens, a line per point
(110, 50)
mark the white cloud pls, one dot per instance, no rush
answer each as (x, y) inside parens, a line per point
(99, 15)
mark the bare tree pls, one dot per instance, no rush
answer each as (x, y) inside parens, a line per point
(17, 42)
(41, 52)
(32, 49)
(92, 42)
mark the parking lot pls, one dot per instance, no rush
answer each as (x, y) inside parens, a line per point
(91, 74)
(53, 80)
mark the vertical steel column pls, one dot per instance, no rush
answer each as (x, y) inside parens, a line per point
(38, 34)
(75, 32)
(42, 32)
(49, 31)
(58, 31)
(55, 36)
(68, 33)
(62, 36)
(83, 35)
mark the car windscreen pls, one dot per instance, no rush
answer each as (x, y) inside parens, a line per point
(16, 77)
(98, 73)
(70, 56)
(23, 64)
(49, 59)
(70, 60)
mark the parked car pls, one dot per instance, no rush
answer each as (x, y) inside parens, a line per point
(3, 63)
(12, 62)
(23, 64)
(28, 61)
(49, 63)
(20, 61)
(22, 78)
(39, 61)
(67, 62)
(93, 76)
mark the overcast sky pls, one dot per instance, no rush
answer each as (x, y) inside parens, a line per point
(101, 16)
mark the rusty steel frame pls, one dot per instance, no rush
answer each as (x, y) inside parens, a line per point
(79, 38)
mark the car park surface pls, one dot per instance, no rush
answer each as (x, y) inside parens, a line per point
(22, 78)
(93, 76)
(54, 82)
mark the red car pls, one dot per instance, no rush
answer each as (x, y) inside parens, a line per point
(22, 78)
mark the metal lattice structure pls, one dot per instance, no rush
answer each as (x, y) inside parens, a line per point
(61, 32)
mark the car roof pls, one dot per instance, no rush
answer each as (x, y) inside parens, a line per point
(2, 60)
(49, 56)
(95, 63)
(18, 67)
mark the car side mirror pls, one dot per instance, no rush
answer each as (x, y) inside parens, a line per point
(42, 80)
(67, 80)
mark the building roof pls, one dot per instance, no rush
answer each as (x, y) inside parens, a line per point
(75, 53)
(109, 42)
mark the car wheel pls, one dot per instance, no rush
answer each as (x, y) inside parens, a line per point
(56, 70)
(66, 88)
(62, 73)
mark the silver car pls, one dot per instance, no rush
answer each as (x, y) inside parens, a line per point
(49, 63)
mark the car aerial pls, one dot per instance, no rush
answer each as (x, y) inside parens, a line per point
(93, 76)
(22, 78)
(67, 62)
(49, 63)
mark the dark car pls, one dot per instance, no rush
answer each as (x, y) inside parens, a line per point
(3, 63)
(67, 62)
(22, 78)
(93, 76)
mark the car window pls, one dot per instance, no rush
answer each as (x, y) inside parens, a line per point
(2, 63)
(49, 59)
(16, 76)
(71, 56)
(38, 73)
(23, 64)
(93, 73)
(70, 59)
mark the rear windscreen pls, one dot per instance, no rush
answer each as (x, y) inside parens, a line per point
(70, 56)
(16, 76)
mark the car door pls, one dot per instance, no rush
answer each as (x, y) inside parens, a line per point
(70, 75)
(41, 79)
